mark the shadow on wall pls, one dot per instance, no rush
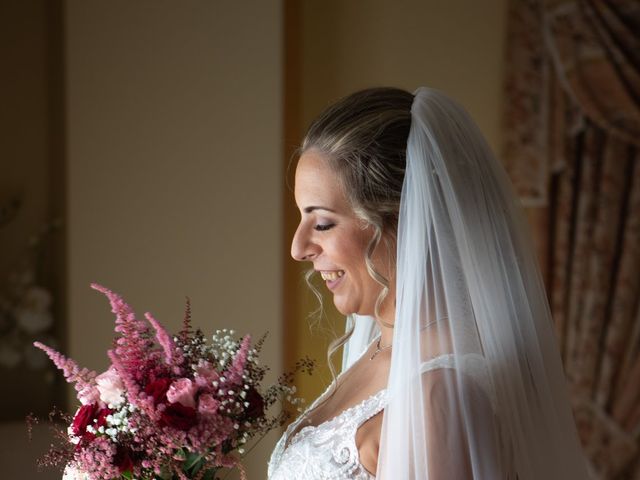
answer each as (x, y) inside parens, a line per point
(18, 455)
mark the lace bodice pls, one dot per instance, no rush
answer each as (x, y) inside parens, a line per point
(328, 451)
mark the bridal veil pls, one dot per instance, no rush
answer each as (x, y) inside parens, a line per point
(469, 300)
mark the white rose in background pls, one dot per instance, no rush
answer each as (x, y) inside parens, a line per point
(25, 305)
(110, 387)
(34, 322)
(37, 299)
(34, 315)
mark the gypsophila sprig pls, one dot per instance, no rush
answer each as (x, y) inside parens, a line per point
(180, 406)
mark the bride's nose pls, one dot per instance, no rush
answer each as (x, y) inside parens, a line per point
(302, 248)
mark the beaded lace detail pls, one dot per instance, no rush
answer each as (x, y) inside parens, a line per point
(326, 451)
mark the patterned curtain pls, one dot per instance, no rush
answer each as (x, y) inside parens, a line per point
(572, 148)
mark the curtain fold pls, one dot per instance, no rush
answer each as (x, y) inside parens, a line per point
(572, 141)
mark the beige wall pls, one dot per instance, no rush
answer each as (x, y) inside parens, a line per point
(453, 45)
(173, 138)
(174, 168)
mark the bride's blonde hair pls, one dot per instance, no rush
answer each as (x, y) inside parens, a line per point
(364, 139)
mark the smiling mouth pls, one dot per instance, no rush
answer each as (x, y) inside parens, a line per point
(333, 275)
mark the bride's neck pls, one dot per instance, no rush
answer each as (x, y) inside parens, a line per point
(385, 323)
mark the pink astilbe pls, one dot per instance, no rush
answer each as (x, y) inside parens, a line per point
(135, 395)
(81, 378)
(236, 369)
(172, 355)
(135, 355)
(135, 341)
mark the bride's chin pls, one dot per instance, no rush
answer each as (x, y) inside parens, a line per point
(346, 309)
(342, 308)
(343, 311)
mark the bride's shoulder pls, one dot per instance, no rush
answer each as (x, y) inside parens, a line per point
(467, 374)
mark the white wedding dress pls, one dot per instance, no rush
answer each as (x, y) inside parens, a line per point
(328, 451)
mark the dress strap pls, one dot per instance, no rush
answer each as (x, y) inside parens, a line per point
(472, 364)
(369, 408)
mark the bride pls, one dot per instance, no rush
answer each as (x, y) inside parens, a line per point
(450, 366)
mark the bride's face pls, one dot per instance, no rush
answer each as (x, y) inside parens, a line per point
(335, 240)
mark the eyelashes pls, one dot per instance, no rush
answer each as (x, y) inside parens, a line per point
(322, 228)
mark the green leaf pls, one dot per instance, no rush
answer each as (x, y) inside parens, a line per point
(191, 460)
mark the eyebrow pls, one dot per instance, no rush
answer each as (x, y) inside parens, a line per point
(312, 208)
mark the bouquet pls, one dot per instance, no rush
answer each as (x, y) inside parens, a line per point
(168, 407)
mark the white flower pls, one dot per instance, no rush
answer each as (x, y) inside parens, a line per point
(111, 388)
(73, 473)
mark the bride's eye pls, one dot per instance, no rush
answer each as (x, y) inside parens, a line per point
(322, 228)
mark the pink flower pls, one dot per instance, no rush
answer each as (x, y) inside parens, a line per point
(236, 369)
(205, 374)
(82, 378)
(207, 405)
(88, 395)
(111, 388)
(182, 391)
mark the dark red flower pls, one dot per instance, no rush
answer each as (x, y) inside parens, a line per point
(85, 440)
(158, 390)
(178, 416)
(256, 404)
(83, 418)
(101, 417)
(123, 459)
(88, 415)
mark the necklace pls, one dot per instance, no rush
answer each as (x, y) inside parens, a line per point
(380, 348)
